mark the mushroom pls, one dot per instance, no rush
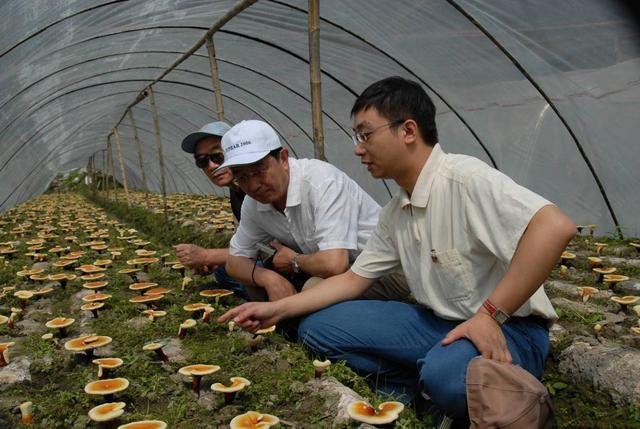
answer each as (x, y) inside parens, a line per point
(4, 353)
(635, 330)
(90, 269)
(107, 412)
(600, 247)
(386, 413)
(145, 299)
(145, 424)
(594, 261)
(131, 272)
(156, 346)
(625, 301)
(23, 296)
(105, 365)
(216, 293)
(184, 326)
(586, 292)
(157, 291)
(635, 246)
(602, 271)
(636, 309)
(3, 319)
(197, 372)
(179, 267)
(597, 328)
(185, 281)
(93, 297)
(60, 323)
(64, 263)
(93, 307)
(194, 308)
(154, 314)
(92, 277)
(48, 336)
(62, 278)
(26, 413)
(592, 228)
(142, 262)
(103, 262)
(95, 285)
(141, 287)
(614, 279)
(253, 420)
(564, 271)
(143, 253)
(567, 257)
(87, 343)
(16, 313)
(320, 367)
(107, 387)
(237, 384)
(206, 316)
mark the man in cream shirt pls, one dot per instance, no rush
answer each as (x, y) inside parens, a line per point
(475, 248)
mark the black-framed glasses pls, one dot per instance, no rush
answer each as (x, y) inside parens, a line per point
(202, 161)
(361, 137)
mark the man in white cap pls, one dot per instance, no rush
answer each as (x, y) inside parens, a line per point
(314, 216)
(208, 155)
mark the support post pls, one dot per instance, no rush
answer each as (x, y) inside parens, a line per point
(136, 139)
(314, 77)
(214, 77)
(156, 126)
(116, 133)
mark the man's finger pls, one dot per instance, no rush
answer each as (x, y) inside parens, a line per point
(276, 244)
(228, 315)
(452, 336)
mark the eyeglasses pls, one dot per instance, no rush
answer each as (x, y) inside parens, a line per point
(244, 177)
(361, 137)
(202, 161)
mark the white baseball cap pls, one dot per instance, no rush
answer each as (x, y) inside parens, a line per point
(215, 129)
(248, 142)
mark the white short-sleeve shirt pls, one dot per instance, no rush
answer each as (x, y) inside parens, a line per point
(325, 209)
(454, 237)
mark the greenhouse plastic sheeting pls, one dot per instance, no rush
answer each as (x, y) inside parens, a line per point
(546, 91)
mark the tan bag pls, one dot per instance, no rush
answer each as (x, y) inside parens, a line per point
(505, 396)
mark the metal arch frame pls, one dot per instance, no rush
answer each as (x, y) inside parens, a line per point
(550, 102)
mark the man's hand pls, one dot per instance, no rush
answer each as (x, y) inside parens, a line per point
(191, 256)
(485, 334)
(283, 259)
(252, 316)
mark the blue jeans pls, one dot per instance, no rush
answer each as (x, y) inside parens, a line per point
(225, 281)
(397, 346)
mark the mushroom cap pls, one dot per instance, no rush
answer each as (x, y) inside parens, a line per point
(253, 419)
(198, 369)
(39, 277)
(42, 290)
(96, 297)
(62, 264)
(108, 363)
(265, 330)
(145, 424)
(143, 253)
(5, 346)
(92, 306)
(28, 273)
(212, 293)
(92, 277)
(614, 278)
(195, 307)
(237, 384)
(177, 266)
(106, 412)
(94, 285)
(90, 269)
(635, 330)
(567, 255)
(3, 319)
(106, 386)
(608, 270)
(321, 364)
(189, 323)
(594, 259)
(387, 412)
(23, 294)
(155, 313)
(57, 277)
(625, 300)
(59, 322)
(47, 336)
(634, 244)
(155, 345)
(86, 342)
(157, 291)
(142, 261)
(142, 286)
(145, 298)
(129, 270)
(102, 262)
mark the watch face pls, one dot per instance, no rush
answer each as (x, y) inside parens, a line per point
(500, 316)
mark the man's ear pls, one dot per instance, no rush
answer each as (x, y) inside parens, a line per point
(410, 130)
(284, 155)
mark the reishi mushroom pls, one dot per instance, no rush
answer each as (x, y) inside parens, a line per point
(614, 279)
(602, 271)
(145, 424)
(4, 353)
(107, 412)
(184, 326)
(586, 292)
(320, 367)
(625, 301)
(253, 420)
(107, 387)
(93, 307)
(156, 347)
(60, 323)
(105, 365)
(386, 413)
(237, 384)
(197, 371)
(87, 343)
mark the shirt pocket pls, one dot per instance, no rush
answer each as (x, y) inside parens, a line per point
(452, 273)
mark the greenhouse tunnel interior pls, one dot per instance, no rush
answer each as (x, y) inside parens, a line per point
(547, 92)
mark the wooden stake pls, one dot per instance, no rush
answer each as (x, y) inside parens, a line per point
(214, 77)
(315, 80)
(121, 161)
(156, 125)
(139, 149)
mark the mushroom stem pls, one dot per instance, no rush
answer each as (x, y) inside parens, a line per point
(3, 362)
(229, 397)
(600, 277)
(23, 303)
(26, 409)
(95, 313)
(62, 331)
(163, 357)
(63, 284)
(195, 384)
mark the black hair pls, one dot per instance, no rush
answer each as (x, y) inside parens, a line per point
(275, 153)
(399, 99)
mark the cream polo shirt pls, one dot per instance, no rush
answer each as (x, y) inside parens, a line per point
(325, 209)
(454, 237)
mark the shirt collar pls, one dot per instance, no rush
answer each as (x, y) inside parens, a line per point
(294, 189)
(422, 189)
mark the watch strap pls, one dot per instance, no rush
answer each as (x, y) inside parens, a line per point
(498, 315)
(296, 264)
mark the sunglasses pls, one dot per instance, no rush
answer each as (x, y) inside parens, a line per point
(202, 161)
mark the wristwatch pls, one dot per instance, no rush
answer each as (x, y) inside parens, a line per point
(296, 265)
(498, 315)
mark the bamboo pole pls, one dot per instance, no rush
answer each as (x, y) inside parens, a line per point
(136, 139)
(315, 80)
(104, 168)
(214, 77)
(156, 125)
(112, 168)
(116, 133)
